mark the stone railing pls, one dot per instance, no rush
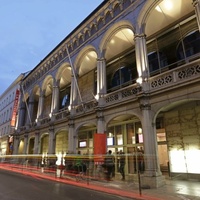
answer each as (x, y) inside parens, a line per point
(86, 107)
(122, 94)
(62, 114)
(45, 121)
(178, 75)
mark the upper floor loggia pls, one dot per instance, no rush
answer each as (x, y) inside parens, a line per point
(115, 54)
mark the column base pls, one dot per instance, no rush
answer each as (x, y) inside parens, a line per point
(149, 182)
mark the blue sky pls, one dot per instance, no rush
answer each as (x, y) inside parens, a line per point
(30, 29)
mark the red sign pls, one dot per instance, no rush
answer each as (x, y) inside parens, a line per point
(15, 107)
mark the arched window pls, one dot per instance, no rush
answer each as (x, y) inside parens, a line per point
(189, 46)
(122, 76)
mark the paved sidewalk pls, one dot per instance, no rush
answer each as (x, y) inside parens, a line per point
(173, 190)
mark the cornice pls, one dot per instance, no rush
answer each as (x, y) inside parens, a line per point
(77, 39)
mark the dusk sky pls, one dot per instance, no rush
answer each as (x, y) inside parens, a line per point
(30, 29)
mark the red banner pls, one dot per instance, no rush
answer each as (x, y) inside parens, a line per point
(99, 147)
(15, 107)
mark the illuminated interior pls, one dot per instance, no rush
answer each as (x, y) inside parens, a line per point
(185, 161)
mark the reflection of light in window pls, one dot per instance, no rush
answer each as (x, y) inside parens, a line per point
(65, 100)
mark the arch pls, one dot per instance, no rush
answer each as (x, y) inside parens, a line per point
(64, 74)
(86, 60)
(92, 123)
(113, 31)
(47, 84)
(157, 10)
(180, 128)
(122, 116)
(61, 146)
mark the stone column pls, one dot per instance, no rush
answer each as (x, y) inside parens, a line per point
(196, 4)
(141, 56)
(16, 145)
(30, 111)
(40, 105)
(152, 176)
(100, 122)
(52, 141)
(56, 97)
(72, 139)
(25, 144)
(73, 95)
(101, 77)
(100, 143)
(36, 143)
(21, 118)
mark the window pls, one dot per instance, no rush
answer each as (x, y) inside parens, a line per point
(65, 97)
(130, 130)
(122, 77)
(65, 101)
(189, 46)
(157, 60)
(121, 72)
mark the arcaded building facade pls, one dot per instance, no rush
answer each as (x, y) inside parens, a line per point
(131, 71)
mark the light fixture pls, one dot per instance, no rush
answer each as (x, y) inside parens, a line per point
(139, 80)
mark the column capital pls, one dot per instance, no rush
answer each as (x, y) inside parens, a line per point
(145, 106)
(37, 133)
(195, 2)
(51, 129)
(71, 124)
(101, 59)
(141, 35)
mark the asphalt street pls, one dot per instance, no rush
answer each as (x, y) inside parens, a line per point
(14, 186)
